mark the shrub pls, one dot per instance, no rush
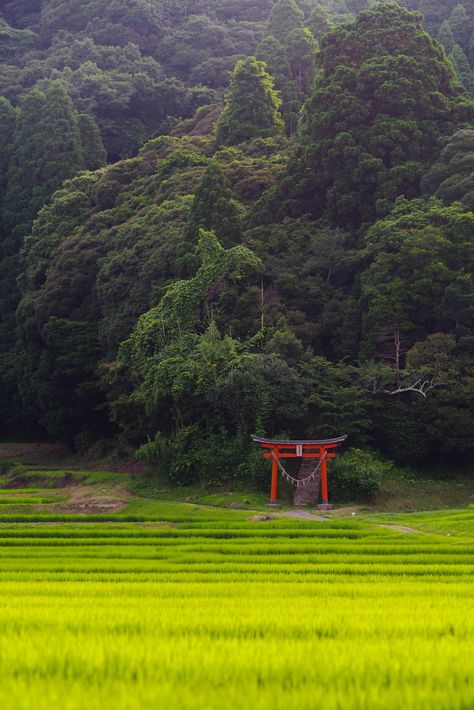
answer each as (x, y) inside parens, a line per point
(358, 474)
(193, 456)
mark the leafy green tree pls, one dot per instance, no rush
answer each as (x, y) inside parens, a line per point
(384, 100)
(13, 40)
(420, 279)
(461, 25)
(463, 68)
(93, 152)
(252, 105)
(451, 177)
(289, 51)
(46, 151)
(273, 53)
(446, 37)
(8, 117)
(319, 22)
(285, 17)
(213, 208)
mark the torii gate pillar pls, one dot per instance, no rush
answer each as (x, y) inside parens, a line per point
(322, 449)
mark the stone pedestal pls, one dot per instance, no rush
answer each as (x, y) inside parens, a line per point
(308, 494)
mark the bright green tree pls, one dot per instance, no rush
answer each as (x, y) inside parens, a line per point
(252, 105)
(273, 53)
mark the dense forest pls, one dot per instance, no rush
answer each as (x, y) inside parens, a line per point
(234, 217)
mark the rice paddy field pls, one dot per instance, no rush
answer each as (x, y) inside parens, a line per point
(194, 607)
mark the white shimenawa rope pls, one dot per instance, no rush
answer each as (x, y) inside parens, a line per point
(300, 481)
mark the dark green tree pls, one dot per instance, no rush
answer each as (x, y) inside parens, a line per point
(446, 37)
(463, 68)
(252, 105)
(420, 279)
(93, 152)
(8, 117)
(461, 25)
(451, 177)
(46, 151)
(383, 102)
(214, 208)
(285, 17)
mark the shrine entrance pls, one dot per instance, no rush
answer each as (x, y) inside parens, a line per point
(321, 450)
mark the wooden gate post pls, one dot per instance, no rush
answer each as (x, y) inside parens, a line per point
(325, 505)
(274, 490)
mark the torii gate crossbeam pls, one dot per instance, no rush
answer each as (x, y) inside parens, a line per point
(322, 449)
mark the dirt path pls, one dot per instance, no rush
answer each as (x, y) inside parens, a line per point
(399, 528)
(304, 515)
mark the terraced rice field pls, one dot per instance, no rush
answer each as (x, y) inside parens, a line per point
(211, 610)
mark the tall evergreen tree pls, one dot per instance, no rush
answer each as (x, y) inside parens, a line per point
(446, 37)
(252, 105)
(285, 17)
(7, 126)
(273, 53)
(289, 51)
(461, 25)
(463, 68)
(93, 152)
(46, 151)
(384, 101)
(213, 208)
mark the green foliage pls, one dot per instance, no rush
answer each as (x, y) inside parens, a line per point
(289, 51)
(213, 208)
(13, 40)
(462, 68)
(358, 475)
(190, 457)
(420, 278)
(381, 105)
(283, 323)
(8, 116)
(451, 177)
(252, 105)
(93, 151)
(46, 151)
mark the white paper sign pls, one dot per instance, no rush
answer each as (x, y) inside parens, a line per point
(299, 449)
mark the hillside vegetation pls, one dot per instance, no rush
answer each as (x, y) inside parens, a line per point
(225, 218)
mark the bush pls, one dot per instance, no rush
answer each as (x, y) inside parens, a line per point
(358, 474)
(193, 456)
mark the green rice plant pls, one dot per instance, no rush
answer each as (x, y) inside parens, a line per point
(214, 613)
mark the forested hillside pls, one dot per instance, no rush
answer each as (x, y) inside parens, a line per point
(225, 218)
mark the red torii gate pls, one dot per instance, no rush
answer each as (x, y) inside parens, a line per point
(322, 449)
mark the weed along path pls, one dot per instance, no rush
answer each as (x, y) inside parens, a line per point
(173, 605)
